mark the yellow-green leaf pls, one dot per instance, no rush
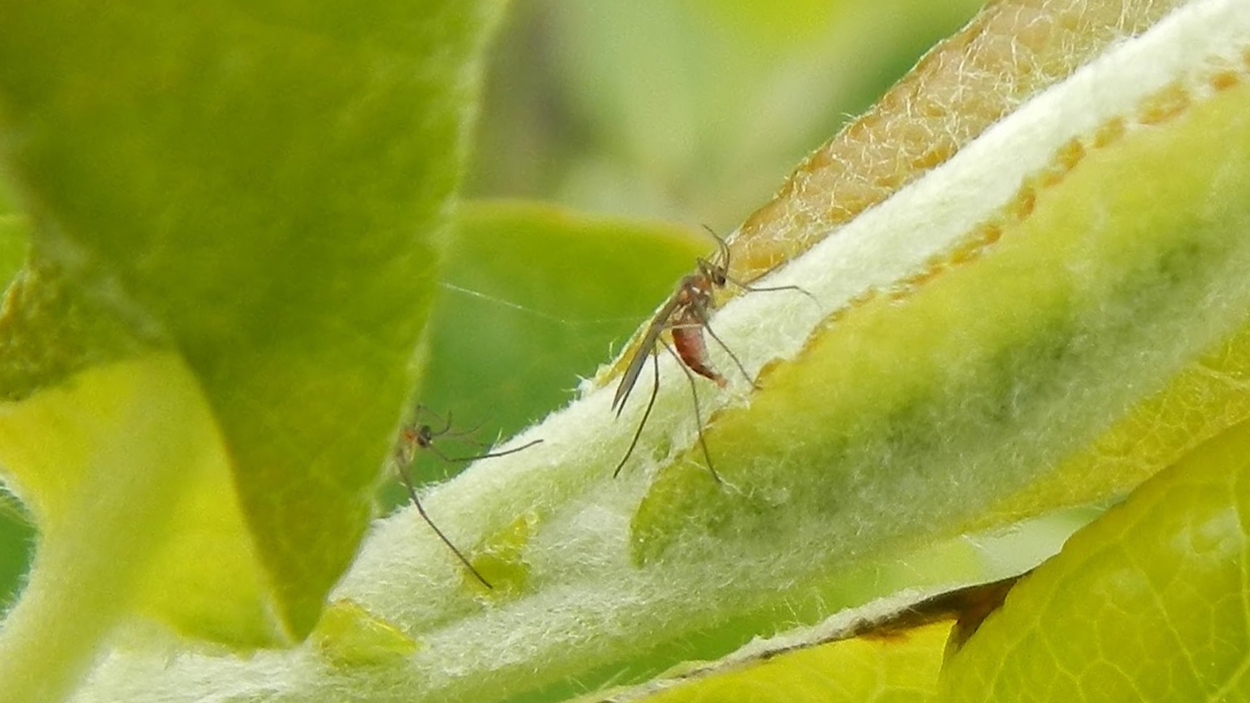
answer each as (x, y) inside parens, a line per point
(1147, 603)
(898, 668)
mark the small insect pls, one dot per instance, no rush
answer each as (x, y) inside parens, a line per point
(417, 436)
(685, 316)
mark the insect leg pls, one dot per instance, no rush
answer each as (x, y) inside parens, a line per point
(403, 474)
(492, 455)
(446, 423)
(655, 389)
(702, 314)
(747, 286)
(698, 415)
(461, 433)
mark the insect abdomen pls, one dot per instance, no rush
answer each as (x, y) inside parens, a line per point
(691, 348)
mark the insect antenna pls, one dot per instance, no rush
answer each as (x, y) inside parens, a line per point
(722, 247)
(722, 256)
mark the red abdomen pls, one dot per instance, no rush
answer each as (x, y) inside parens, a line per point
(692, 349)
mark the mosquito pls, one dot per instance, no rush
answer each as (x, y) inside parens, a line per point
(685, 316)
(417, 436)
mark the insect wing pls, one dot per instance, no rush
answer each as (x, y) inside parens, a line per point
(641, 354)
(644, 349)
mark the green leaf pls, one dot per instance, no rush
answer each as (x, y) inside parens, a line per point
(17, 534)
(120, 530)
(248, 199)
(348, 636)
(14, 243)
(1147, 603)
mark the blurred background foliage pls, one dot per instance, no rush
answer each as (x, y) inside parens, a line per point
(687, 110)
(657, 116)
